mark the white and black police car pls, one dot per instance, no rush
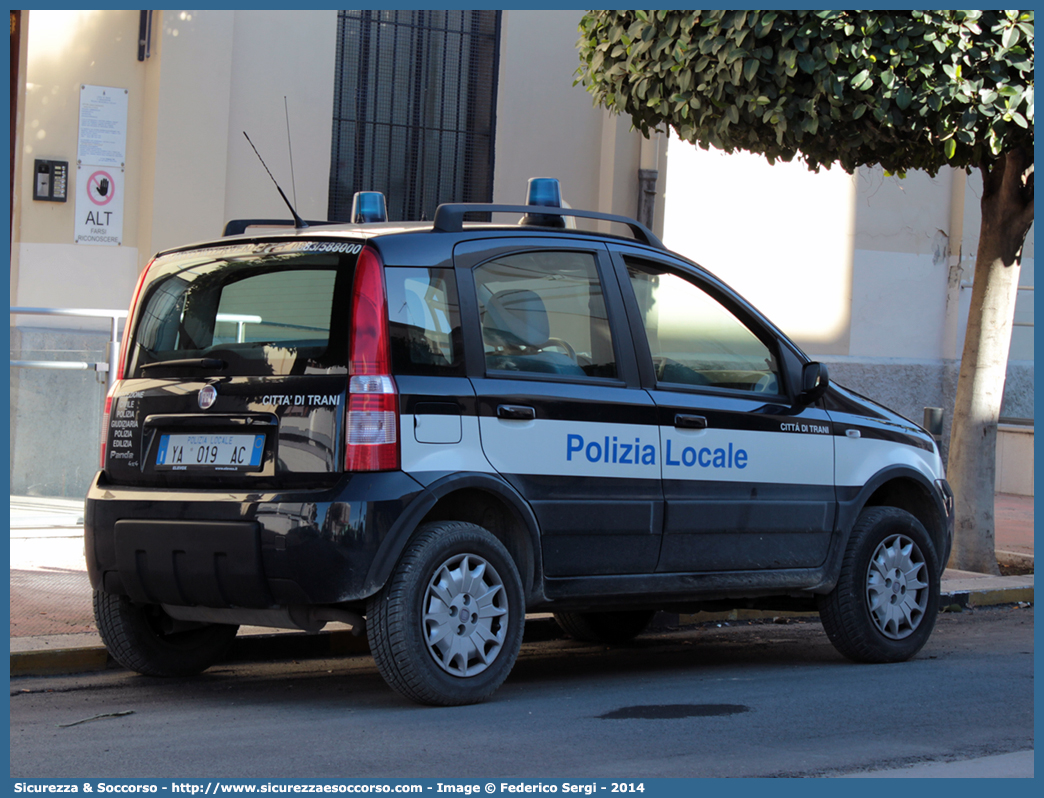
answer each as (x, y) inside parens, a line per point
(429, 429)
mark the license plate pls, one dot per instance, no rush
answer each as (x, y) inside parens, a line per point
(210, 451)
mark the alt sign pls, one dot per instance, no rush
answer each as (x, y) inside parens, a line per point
(99, 206)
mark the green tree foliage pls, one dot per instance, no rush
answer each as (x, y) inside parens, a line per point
(906, 90)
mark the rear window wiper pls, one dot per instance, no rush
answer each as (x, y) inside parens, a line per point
(187, 363)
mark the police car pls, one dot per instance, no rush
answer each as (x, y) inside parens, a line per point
(427, 430)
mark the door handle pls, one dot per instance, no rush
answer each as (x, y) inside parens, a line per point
(686, 421)
(516, 412)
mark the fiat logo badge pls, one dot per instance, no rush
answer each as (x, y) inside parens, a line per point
(207, 396)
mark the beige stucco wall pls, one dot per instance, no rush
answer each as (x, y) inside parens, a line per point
(19, 158)
(901, 265)
(1014, 460)
(281, 54)
(191, 141)
(65, 50)
(211, 75)
(225, 72)
(867, 266)
(547, 127)
(915, 246)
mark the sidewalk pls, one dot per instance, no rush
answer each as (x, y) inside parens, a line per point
(52, 624)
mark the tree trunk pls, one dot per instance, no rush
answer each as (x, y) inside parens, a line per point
(1007, 213)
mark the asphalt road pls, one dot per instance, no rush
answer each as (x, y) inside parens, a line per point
(739, 700)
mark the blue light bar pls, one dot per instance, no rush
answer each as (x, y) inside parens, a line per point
(545, 192)
(368, 206)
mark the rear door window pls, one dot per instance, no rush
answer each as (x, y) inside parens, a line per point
(545, 312)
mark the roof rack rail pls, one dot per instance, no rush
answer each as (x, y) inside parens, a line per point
(238, 226)
(449, 218)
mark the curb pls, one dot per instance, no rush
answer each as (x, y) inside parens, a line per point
(56, 661)
(301, 645)
(986, 598)
(1015, 559)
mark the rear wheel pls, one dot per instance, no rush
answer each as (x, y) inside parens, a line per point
(447, 626)
(886, 600)
(145, 639)
(604, 627)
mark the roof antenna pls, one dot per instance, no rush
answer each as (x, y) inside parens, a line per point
(299, 223)
(290, 147)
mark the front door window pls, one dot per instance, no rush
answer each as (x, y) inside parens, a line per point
(695, 340)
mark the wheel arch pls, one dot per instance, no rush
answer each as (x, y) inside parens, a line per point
(482, 499)
(907, 489)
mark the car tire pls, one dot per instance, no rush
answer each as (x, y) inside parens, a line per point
(145, 639)
(886, 600)
(429, 642)
(604, 627)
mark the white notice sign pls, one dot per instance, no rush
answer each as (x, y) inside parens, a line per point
(103, 127)
(99, 206)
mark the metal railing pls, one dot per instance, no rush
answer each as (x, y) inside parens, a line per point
(113, 348)
(108, 367)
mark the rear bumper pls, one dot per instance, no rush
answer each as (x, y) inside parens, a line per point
(249, 549)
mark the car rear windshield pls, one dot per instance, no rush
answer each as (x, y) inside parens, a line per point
(265, 310)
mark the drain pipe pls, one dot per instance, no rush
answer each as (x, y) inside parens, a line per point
(647, 195)
(648, 178)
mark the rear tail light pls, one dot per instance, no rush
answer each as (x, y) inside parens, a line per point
(121, 363)
(372, 421)
(373, 425)
(125, 341)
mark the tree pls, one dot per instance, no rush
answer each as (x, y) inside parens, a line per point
(901, 89)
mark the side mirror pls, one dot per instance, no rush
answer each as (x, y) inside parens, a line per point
(814, 382)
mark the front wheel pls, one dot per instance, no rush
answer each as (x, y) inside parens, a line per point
(447, 626)
(145, 639)
(886, 600)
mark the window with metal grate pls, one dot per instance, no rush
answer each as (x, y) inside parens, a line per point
(414, 109)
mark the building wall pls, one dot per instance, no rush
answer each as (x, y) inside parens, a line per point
(1015, 459)
(869, 273)
(211, 75)
(187, 197)
(779, 235)
(547, 127)
(305, 45)
(66, 49)
(226, 72)
(901, 265)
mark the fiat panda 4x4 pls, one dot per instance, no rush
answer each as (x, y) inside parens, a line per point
(429, 429)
